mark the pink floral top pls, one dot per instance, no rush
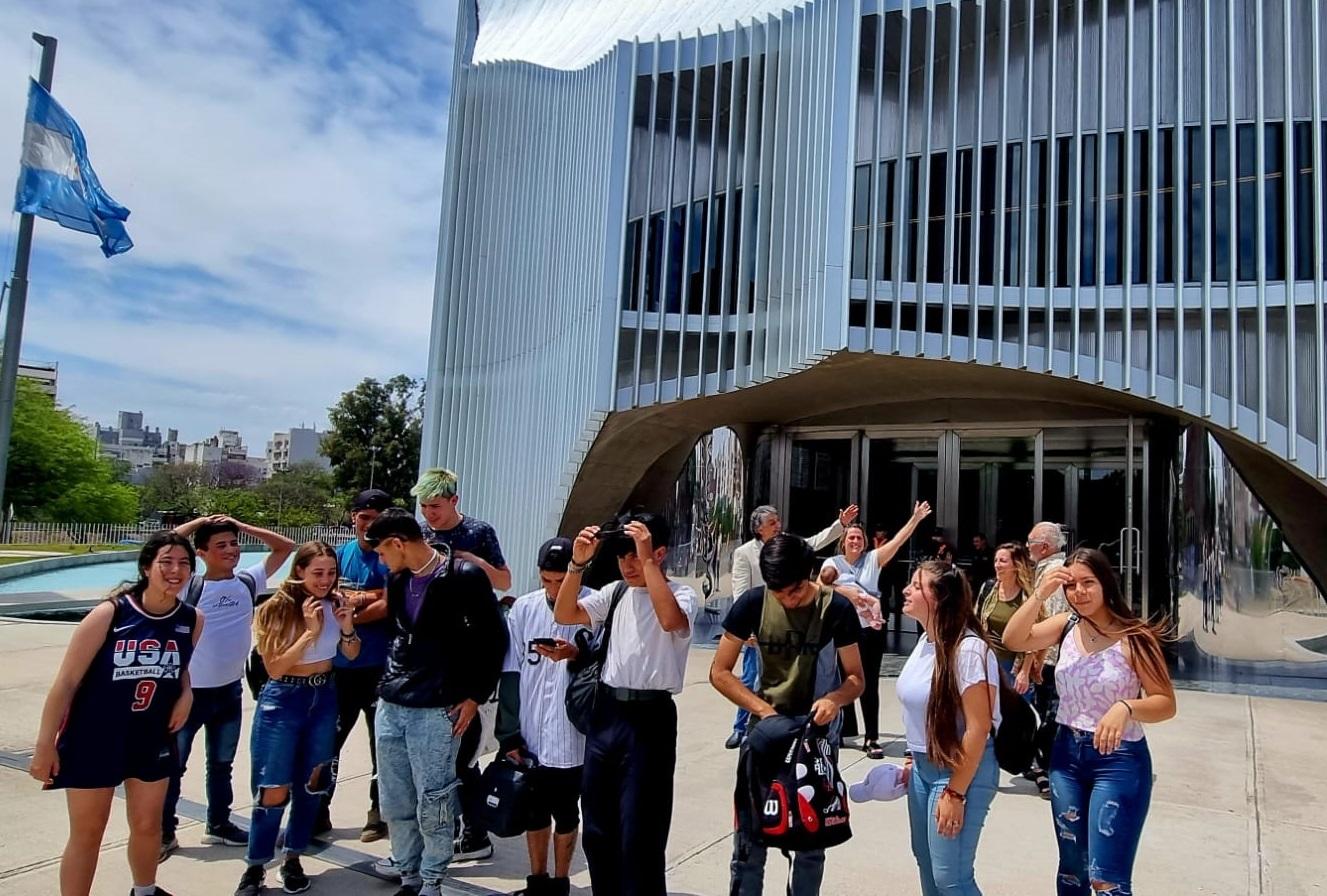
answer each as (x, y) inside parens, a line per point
(1090, 683)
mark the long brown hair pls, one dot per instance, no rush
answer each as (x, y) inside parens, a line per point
(1143, 637)
(953, 618)
(280, 619)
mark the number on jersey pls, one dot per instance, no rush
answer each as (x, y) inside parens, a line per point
(143, 695)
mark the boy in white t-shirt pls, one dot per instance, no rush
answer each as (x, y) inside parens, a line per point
(217, 666)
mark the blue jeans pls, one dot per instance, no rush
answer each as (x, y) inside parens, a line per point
(747, 866)
(750, 678)
(1100, 803)
(292, 745)
(216, 711)
(416, 778)
(1030, 694)
(946, 863)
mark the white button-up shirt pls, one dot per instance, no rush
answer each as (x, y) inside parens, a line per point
(547, 731)
(641, 655)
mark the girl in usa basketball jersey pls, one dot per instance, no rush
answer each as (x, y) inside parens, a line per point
(121, 692)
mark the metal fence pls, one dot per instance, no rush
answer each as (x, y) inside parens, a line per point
(129, 534)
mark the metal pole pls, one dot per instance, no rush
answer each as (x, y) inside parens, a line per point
(18, 295)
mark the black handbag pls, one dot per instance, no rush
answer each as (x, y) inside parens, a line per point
(585, 670)
(506, 787)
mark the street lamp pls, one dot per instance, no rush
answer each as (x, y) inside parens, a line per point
(373, 463)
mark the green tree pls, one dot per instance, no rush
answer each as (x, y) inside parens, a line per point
(386, 416)
(56, 472)
(304, 495)
(175, 488)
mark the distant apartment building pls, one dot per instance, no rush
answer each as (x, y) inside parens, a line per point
(297, 445)
(45, 374)
(132, 442)
(226, 445)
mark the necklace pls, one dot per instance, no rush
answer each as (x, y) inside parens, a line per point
(432, 561)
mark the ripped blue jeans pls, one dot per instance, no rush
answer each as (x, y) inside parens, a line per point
(292, 746)
(416, 778)
(1100, 803)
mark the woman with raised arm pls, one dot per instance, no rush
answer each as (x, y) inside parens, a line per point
(298, 632)
(120, 694)
(951, 708)
(854, 572)
(1112, 679)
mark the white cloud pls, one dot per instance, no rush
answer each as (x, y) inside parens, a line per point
(290, 155)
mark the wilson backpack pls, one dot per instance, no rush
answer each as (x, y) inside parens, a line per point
(805, 804)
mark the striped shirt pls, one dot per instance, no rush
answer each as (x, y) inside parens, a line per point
(547, 731)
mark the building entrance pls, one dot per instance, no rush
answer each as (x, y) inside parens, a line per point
(994, 481)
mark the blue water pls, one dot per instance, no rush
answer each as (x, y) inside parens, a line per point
(101, 577)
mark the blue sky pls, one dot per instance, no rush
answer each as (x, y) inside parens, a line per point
(283, 164)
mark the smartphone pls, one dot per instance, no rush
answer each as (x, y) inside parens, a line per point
(543, 642)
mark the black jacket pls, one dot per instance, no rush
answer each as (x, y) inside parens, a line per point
(454, 650)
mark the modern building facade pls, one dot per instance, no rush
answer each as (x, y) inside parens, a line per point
(298, 445)
(1030, 259)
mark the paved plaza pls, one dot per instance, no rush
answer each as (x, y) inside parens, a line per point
(1239, 807)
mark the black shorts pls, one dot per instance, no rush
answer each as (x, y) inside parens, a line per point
(555, 799)
(88, 762)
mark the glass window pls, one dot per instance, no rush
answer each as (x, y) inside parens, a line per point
(1193, 205)
(1013, 217)
(1274, 186)
(1091, 199)
(1140, 197)
(1223, 194)
(861, 220)
(1303, 200)
(1247, 192)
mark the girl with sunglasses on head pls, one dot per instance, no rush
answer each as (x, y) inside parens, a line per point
(298, 632)
(1112, 679)
(109, 720)
(951, 707)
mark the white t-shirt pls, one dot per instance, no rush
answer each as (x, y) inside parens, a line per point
(545, 727)
(228, 609)
(641, 655)
(975, 663)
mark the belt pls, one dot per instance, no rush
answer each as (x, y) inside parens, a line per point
(632, 695)
(316, 680)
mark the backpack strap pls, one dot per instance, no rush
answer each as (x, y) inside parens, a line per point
(1068, 627)
(250, 583)
(618, 593)
(194, 590)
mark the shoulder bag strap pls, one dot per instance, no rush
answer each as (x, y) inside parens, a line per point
(249, 582)
(195, 590)
(618, 593)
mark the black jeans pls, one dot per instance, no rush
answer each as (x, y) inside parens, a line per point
(471, 789)
(627, 795)
(356, 694)
(1047, 701)
(872, 647)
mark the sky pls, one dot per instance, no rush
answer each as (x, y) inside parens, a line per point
(283, 166)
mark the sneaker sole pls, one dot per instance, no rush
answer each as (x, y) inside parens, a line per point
(473, 856)
(286, 889)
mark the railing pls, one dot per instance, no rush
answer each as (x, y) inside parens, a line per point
(129, 534)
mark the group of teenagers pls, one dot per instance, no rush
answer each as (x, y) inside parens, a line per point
(403, 626)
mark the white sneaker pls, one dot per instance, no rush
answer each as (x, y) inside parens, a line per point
(387, 868)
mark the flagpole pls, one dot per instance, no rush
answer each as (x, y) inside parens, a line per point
(18, 295)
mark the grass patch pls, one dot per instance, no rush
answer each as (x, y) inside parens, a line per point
(66, 548)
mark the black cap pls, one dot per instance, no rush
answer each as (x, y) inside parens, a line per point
(371, 499)
(555, 555)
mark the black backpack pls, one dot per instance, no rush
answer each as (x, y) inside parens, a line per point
(1016, 738)
(506, 789)
(587, 668)
(805, 803)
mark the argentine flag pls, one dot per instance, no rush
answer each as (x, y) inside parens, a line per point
(56, 181)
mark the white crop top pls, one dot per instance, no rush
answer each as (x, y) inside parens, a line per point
(328, 641)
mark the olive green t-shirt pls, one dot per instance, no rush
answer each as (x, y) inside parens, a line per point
(791, 640)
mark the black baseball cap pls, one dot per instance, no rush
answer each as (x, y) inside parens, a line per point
(371, 499)
(555, 555)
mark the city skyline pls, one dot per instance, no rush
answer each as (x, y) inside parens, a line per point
(272, 218)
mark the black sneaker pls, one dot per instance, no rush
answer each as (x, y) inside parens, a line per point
(251, 883)
(407, 890)
(469, 848)
(734, 741)
(157, 892)
(535, 885)
(226, 834)
(293, 878)
(168, 846)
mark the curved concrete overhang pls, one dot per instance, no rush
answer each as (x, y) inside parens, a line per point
(639, 452)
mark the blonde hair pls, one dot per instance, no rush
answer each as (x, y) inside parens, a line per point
(279, 621)
(435, 483)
